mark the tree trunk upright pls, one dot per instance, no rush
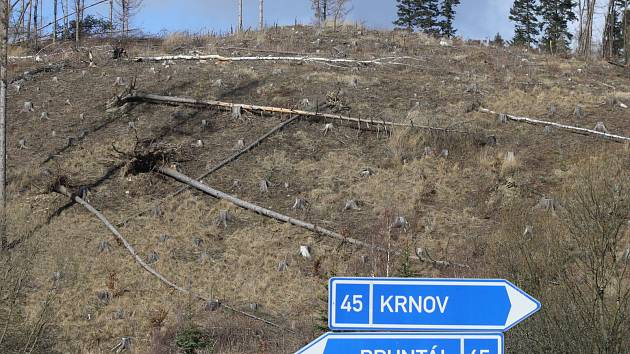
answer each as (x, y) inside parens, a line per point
(23, 9)
(125, 16)
(318, 11)
(35, 25)
(240, 16)
(77, 21)
(111, 17)
(626, 32)
(261, 17)
(64, 11)
(586, 29)
(30, 16)
(54, 21)
(41, 13)
(4, 42)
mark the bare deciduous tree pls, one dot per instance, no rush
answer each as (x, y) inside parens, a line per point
(321, 10)
(596, 213)
(586, 10)
(126, 10)
(339, 10)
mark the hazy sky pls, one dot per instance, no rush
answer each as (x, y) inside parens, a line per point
(475, 18)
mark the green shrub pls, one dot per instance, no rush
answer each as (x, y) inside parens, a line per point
(191, 338)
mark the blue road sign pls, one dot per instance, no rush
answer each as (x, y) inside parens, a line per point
(426, 304)
(405, 343)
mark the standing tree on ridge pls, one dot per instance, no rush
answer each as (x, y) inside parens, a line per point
(525, 14)
(448, 16)
(556, 15)
(407, 14)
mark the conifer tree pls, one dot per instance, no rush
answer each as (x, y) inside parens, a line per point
(498, 40)
(407, 14)
(556, 15)
(427, 19)
(448, 15)
(524, 13)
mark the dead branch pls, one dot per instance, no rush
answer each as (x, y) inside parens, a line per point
(217, 167)
(569, 128)
(63, 190)
(151, 98)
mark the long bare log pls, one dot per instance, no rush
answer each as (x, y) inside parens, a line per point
(217, 167)
(258, 209)
(62, 190)
(28, 74)
(146, 97)
(306, 59)
(569, 128)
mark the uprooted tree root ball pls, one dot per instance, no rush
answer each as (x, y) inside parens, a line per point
(147, 156)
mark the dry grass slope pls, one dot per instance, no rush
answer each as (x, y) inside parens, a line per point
(465, 198)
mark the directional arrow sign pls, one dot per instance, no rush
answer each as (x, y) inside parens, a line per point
(405, 343)
(426, 304)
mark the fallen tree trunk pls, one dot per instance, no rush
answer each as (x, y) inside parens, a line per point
(151, 98)
(260, 210)
(306, 59)
(62, 190)
(28, 74)
(220, 165)
(569, 128)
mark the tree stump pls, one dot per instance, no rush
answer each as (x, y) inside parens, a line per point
(351, 205)
(104, 246)
(28, 107)
(152, 257)
(305, 251)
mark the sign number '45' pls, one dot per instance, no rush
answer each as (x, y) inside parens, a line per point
(356, 305)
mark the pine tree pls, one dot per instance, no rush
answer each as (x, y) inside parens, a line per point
(498, 40)
(556, 15)
(524, 13)
(448, 15)
(407, 14)
(427, 19)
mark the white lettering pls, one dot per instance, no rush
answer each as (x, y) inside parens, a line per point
(366, 351)
(442, 306)
(429, 300)
(401, 301)
(415, 304)
(410, 304)
(385, 303)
